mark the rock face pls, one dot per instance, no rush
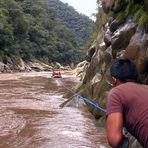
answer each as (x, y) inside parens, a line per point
(118, 39)
(115, 5)
(10, 65)
(121, 39)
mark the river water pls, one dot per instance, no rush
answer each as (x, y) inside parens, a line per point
(31, 116)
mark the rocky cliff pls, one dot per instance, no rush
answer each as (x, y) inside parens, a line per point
(10, 64)
(124, 35)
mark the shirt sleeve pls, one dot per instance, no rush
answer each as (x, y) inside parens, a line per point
(114, 102)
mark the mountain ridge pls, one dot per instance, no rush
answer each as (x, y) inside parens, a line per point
(33, 30)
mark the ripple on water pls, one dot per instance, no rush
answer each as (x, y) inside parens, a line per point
(10, 123)
(32, 116)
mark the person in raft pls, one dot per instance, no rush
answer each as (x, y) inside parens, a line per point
(127, 105)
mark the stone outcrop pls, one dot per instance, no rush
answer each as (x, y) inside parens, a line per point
(9, 65)
(120, 39)
(114, 5)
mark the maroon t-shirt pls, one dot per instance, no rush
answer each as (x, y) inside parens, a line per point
(131, 99)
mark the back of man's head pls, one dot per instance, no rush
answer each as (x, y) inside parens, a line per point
(124, 70)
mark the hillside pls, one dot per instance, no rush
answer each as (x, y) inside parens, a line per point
(80, 24)
(49, 31)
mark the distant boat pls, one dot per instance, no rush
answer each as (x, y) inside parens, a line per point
(56, 74)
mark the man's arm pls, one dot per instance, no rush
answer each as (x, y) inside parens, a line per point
(114, 129)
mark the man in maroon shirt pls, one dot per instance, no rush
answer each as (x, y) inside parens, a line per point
(127, 105)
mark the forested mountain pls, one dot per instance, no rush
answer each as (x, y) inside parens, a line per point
(47, 30)
(80, 24)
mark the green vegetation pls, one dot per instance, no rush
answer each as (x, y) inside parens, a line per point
(134, 8)
(47, 30)
(70, 18)
(141, 16)
(131, 8)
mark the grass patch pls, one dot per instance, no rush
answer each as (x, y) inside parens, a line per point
(135, 10)
(141, 16)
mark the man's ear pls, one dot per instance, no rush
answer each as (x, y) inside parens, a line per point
(114, 81)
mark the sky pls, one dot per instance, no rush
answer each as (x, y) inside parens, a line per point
(87, 7)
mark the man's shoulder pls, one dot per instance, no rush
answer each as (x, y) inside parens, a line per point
(124, 86)
(132, 85)
(128, 84)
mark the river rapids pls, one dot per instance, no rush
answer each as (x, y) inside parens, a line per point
(31, 116)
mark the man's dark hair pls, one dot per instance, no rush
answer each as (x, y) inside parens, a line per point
(124, 70)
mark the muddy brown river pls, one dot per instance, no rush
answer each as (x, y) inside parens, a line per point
(31, 116)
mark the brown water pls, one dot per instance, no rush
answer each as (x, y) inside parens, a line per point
(30, 116)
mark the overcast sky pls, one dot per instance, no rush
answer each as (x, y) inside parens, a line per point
(87, 7)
